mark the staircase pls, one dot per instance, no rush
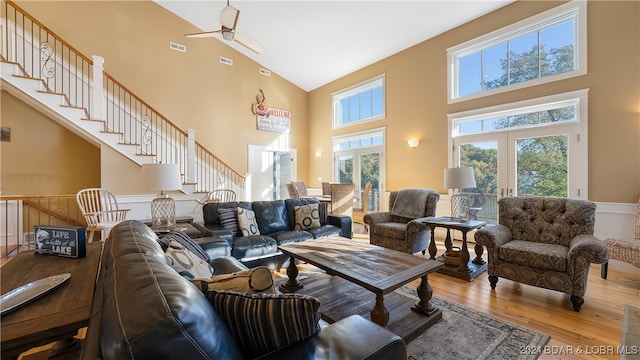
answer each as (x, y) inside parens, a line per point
(45, 72)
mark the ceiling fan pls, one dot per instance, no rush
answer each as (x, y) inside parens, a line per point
(228, 19)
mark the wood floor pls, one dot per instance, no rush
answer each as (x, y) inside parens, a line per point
(596, 330)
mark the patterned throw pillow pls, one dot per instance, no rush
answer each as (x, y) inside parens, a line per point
(255, 280)
(187, 263)
(324, 212)
(247, 222)
(276, 320)
(307, 217)
(229, 220)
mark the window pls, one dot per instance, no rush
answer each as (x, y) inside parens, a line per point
(533, 147)
(544, 48)
(361, 102)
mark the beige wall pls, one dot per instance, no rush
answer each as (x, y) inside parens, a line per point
(416, 102)
(192, 89)
(43, 157)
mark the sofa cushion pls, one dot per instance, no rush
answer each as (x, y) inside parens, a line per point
(307, 217)
(325, 231)
(276, 320)
(291, 236)
(254, 280)
(534, 254)
(186, 263)
(271, 216)
(253, 246)
(210, 210)
(229, 220)
(247, 222)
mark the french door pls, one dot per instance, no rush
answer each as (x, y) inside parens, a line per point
(533, 161)
(360, 166)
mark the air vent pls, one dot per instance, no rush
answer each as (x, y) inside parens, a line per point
(226, 61)
(265, 72)
(177, 47)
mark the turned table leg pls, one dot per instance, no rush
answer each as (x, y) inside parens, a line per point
(433, 249)
(464, 255)
(379, 313)
(292, 283)
(479, 250)
(425, 292)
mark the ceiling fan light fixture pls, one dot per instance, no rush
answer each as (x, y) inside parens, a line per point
(227, 35)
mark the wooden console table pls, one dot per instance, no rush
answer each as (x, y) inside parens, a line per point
(56, 316)
(467, 270)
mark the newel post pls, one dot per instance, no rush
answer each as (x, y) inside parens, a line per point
(97, 106)
(191, 155)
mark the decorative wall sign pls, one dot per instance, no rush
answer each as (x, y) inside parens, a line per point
(270, 119)
(61, 241)
(5, 134)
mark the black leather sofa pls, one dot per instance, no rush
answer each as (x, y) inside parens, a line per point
(276, 220)
(143, 309)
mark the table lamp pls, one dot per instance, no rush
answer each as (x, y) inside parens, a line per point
(162, 177)
(459, 178)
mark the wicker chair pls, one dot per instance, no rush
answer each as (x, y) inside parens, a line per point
(544, 241)
(100, 209)
(301, 189)
(624, 250)
(359, 213)
(342, 199)
(291, 189)
(221, 195)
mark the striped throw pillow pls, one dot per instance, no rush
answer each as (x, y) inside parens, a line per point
(229, 220)
(262, 323)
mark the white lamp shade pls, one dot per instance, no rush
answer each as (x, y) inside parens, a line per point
(459, 178)
(161, 177)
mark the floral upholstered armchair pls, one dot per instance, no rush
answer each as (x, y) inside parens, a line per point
(544, 241)
(400, 228)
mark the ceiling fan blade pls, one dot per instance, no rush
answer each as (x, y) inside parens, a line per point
(248, 42)
(229, 17)
(203, 34)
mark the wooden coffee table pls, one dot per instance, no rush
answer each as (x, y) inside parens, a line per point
(360, 279)
(56, 316)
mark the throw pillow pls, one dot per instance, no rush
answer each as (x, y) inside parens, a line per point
(253, 280)
(186, 241)
(323, 210)
(307, 217)
(247, 222)
(229, 219)
(262, 323)
(186, 263)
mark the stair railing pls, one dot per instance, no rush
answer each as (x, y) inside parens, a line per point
(63, 70)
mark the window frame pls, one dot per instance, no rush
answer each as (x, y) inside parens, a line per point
(576, 10)
(358, 88)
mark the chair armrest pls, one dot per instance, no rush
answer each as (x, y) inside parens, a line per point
(344, 222)
(415, 226)
(588, 248)
(493, 236)
(372, 219)
(226, 265)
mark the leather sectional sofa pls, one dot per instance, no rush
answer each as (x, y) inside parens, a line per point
(144, 309)
(276, 223)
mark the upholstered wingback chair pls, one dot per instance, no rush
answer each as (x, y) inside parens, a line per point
(544, 241)
(398, 229)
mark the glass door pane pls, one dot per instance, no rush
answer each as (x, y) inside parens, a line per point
(483, 157)
(541, 165)
(344, 168)
(369, 171)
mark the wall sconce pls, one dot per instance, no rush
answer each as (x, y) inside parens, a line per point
(413, 143)
(318, 153)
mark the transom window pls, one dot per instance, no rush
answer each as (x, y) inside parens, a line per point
(361, 102)
(547, 47)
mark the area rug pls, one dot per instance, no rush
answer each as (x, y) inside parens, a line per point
(630, 329)
(464, 334)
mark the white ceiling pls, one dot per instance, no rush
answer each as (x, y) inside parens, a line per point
(313, 42)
